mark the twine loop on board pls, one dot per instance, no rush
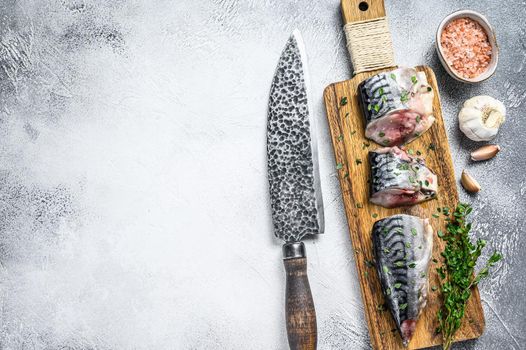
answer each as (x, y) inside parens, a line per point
(369, 44)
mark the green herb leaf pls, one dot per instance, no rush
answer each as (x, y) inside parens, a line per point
(343, 101)
(393, 76)
(414, 232)
(358, 161)
(339, 166)
(374, 215)
(404, 96)
(457, 273)
(413, 79)
(403, 306)
(398, 285)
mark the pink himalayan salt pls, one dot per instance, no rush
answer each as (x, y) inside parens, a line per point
(466, 47)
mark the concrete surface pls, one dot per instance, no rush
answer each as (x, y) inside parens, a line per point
(133, 190)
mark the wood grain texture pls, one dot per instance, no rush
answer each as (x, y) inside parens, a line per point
(351, 10)
(299, 306)
(347, 131)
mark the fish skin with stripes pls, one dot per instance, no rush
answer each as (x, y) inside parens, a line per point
(397, 106)
(398, 179)
(402, 246)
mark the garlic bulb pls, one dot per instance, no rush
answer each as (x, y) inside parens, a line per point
(480, 118)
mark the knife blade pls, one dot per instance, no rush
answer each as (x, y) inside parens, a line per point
(294, 185)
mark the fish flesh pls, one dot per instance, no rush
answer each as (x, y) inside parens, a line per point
(398, 179)
(402, 246)
(397, 106)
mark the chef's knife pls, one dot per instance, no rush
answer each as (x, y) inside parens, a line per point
(294, 183)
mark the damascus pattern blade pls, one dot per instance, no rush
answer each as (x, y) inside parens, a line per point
(295, 193)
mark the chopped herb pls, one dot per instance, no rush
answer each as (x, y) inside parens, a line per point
(398, 285)
(436, 216)
(365, 145)
(429, 89)
(434, 288)
(343, 101)
(381, 307)
(385, 269)
(386, 142)
(408, 244)
(339, 166)
(423, 275)
(432, 147)
(435, 260)
(388, 291)
(399, 231)
(403, 166)
(359, 205)
(457, 274)
(413, 231)
(426, 183)
(412, 265)
(369, 263)
(340, 138)
(417, 133)
(358, 161)
(346, 175)
(381, 134)
(393, 76)
(369, 107)
(413, 79)
(418, 153)
(440, 234)
(410, 151)
(386, 250)
(384, 98)
(381, 91)
(346, 114)
(403, 306)
(404, 97)
(376, 108)
(366, 273)
(374, 215)
(418, 119)
(353, 132)
(399, 264)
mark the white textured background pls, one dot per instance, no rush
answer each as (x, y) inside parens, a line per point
(134, 211)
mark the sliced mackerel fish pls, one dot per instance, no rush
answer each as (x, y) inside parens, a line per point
(402, 246)
(398, 179)
(397, 106)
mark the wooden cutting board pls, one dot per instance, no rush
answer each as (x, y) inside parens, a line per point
(350, 147)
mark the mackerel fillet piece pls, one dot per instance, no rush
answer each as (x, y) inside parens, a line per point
(402, 247)
(397, 106)
(398, 179)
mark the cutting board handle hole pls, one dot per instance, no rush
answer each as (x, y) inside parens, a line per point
(363, 6)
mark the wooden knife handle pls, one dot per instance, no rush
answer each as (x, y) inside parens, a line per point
(299, 306)
(362, 10)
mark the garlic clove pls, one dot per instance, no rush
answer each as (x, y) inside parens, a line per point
(485, 152)
(469, 183)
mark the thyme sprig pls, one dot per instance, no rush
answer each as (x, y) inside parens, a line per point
(457, 274)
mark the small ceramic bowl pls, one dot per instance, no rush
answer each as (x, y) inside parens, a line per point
(491, 37)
